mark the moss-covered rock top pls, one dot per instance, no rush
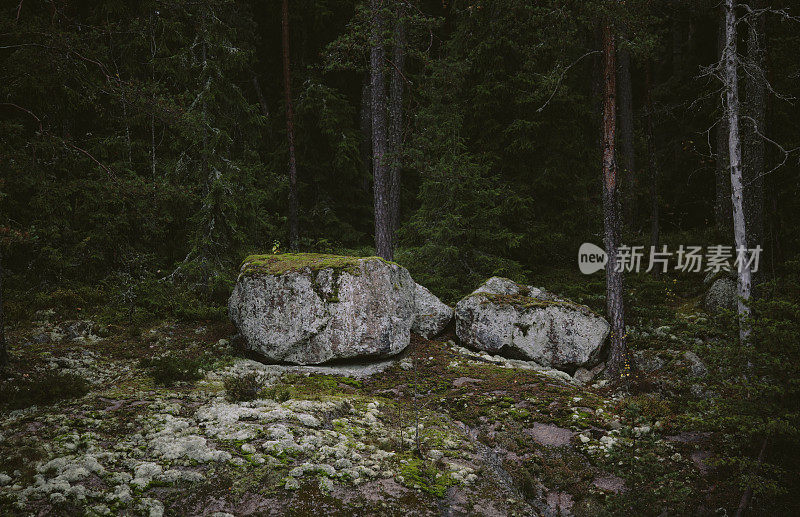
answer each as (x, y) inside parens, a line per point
(526, 297)
(285, 262)
(521, 301)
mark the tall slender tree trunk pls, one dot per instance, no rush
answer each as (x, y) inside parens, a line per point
(207, 250)
(653, 166)
(287, 88)
(153, 145)
(614, 306)
(752, 143)
(3, 348)
(396, 123)
(127, 127)
(626, 140)
(366, 131)
(744, 279)
(380, 176)
(203, 117)
(723, 213)
(153, 51)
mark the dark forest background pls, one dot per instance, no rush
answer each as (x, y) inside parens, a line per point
(144, 154)
(148, 139)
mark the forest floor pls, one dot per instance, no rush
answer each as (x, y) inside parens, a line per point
(439, 430)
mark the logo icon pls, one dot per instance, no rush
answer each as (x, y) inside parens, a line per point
(591, 258)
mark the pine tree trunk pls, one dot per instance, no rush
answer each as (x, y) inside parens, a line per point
(287, 88)
(752, 143)
(614, 305)
(366, 131)
(3, 348)
(626, 140)
(127, 127)
(653, 165)
(380, 181)
(723, 212)
(735, 154)
(153, 52)
(396, 124)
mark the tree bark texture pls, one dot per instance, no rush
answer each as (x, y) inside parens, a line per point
(287, 88)
(396, 123)
(614, 305)
(3, 347)
(380, 175)
(723, 212)
(744, 280)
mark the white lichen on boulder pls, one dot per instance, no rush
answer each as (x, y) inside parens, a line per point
(309, 308)
(524, 322)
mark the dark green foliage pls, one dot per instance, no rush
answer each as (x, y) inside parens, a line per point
(758, 398)
(171, 368)
(41, 389)
(278, 393)
(240, 388)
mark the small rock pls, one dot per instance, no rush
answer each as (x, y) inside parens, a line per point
(583, 375)
(550, 435)
(610, 483)
(697, 367)
(462, 381)
(721, 296)
(431, 315)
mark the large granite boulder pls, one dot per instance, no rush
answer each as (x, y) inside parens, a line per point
(309, 308)
(721, 296)
(524, 322)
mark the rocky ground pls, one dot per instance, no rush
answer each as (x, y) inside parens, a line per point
(439, 430)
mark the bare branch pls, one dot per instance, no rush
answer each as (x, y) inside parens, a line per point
(786, 153)
(561, 78)
(29, 112)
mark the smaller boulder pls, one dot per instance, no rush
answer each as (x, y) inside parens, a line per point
(696, 365)
(431, 316)
(721, 296)
(529, 323)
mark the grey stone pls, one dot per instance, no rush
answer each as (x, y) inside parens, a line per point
(696, 365)
(526, 322)
(550, 435)
(431, 315)
(311, 312)
(721, 296)
(583, 375)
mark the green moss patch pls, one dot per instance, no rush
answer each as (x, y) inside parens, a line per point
(286, 262)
